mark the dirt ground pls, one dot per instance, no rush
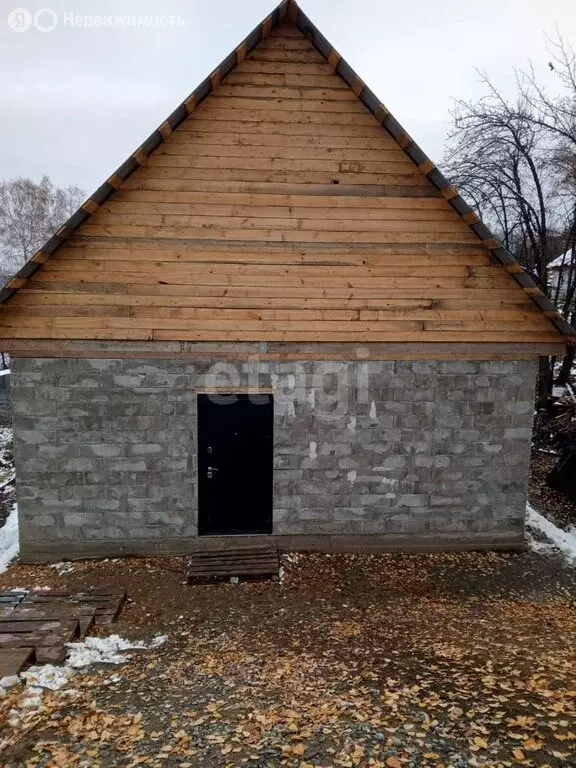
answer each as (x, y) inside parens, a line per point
(352, 660)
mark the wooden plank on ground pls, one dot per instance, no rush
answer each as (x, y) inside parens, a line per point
(51, 654)
(29, 625)
(34, 639)
(13, 660)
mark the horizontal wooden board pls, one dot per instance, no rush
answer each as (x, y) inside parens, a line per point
(102, 301)
(306, 158)
(143, 255)
(281, 91)
(326, 202)
(282, 176)
(300, 81)
(294, 57)
(419, 290)
(285, 187)
(283, 124)
(100, 332)
(320, 216)
(398, 165)
(311, 273)
(388, 315)
(286, 109)
(202, 140)
(287, 117)
(285, 67)
(336, 226)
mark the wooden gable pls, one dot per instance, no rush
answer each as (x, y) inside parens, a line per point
(278, 210)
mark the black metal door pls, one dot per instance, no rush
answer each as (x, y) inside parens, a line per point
(235, 439)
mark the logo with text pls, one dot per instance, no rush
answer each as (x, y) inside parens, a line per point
(43, 20)
(46, 20)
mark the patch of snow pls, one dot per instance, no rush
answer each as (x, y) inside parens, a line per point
(274, 380)
(351, 475)
(62, 568)
(373, 414)
(311, 398)
(9, 541)
(106, 650)
(8, 682)
(313, 450)
(5, 372)
(291, 381)
(47, 676)
(565, 541)
(6, 436)
(352, 424)
(564, 260)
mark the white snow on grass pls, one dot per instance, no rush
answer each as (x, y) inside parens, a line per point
(9, 541)
(565, 541)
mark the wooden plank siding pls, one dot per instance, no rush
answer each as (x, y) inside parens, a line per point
(280, 211)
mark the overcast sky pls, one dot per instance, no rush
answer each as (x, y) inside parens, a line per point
(76, 101)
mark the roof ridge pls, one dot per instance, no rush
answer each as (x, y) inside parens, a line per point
(291, 10)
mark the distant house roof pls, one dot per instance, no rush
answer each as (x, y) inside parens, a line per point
(564, 260)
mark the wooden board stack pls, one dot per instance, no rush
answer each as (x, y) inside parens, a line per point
(35, 626)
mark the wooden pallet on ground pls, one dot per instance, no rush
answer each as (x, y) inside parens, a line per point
(245, 563)
(37, 625)
(105, 607)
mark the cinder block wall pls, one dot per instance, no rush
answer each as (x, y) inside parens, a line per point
(397, 453)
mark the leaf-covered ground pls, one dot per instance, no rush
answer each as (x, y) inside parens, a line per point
(353, 660)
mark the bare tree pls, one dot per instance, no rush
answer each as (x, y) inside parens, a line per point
(516, 162)
(556, 115)
(29, 214)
